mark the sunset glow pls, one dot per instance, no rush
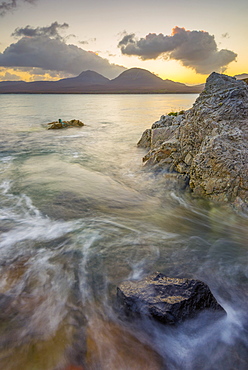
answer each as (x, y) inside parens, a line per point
(49, 41)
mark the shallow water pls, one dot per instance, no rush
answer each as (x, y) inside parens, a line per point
(79, 214)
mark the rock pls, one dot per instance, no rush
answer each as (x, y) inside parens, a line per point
(165, 121)
(210, 142)
(145, 140)
(168, 300)
(63, 124)
(188, 159)
(161, 134)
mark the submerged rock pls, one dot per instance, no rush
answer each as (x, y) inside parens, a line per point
(63, 124)
(168, 300)
(208, 143)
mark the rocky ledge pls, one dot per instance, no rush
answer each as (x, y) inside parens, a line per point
(64, 124)
(168, 300)
(208, 144)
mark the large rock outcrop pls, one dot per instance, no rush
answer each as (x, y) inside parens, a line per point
(168, 300)
(208, 144)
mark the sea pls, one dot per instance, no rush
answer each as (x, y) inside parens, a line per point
(80, 214)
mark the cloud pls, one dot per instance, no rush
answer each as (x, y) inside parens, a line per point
(51, 31)
(127, 39)
(86, 42)
(43, 48)
(30, 74)
(6, 6)
(194, 49)
(7, 76)
(110, 54)
(225, 35)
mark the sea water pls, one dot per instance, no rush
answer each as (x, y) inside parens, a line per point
(80, 214)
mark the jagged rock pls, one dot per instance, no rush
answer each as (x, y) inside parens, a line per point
(145, 140)
(168, 300)
(63, 124)
(209, 142)
(161, 134)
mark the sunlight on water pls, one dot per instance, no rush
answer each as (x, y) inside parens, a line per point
(79, 215)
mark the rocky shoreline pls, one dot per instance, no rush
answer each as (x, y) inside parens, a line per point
(206, 145)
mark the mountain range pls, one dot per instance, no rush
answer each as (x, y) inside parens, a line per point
(131, 81)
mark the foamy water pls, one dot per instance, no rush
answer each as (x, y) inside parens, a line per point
(79, 214)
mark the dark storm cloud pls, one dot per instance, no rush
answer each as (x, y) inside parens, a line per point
(194, 49)
(51, 31)
(6, 6)
(53, 54)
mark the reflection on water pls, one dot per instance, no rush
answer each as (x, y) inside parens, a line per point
(78, 216)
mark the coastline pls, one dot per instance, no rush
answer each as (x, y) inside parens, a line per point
(99, 93)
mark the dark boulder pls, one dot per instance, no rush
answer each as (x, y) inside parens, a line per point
(168, 300)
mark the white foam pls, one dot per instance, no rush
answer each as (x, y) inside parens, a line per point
(5, 186)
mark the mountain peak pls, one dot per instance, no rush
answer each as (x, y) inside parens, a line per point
(137, 77)
(89, 72)
(92, 77)
(138, 73)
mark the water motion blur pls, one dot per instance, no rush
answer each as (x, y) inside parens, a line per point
(79, 214)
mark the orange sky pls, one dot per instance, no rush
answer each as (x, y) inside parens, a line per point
(97, 27)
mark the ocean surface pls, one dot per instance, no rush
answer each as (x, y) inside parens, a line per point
(80, 214)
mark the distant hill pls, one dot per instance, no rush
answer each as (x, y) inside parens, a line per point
(137, 79)
(242, 76)
(86, 78)
(134, 80)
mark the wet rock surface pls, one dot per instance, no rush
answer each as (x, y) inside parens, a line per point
(64, 124)
(168, 300)
(208, 143)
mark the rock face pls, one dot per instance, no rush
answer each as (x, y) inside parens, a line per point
(208, 143)
(167, 300)
(63, 124)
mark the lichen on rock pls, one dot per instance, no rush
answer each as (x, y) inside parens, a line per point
(168, 300)
(208, 143)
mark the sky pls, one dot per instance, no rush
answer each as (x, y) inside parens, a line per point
(180, 40)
